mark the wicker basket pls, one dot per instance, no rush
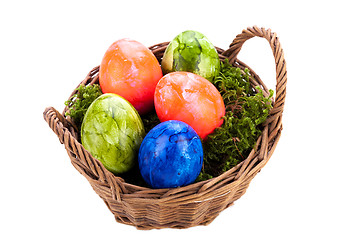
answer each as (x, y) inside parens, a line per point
(196, 204)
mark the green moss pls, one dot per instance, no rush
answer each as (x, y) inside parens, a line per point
(150, 120)
(246, 110)
(80, 102)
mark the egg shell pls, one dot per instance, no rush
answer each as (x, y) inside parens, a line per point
(132, 71)
(171, 155)
(189, 98)
(191, 51)
(112, 132)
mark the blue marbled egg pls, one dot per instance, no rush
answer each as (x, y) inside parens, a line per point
(171, 155)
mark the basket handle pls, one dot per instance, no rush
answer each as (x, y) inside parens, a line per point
(281, 72)
(82, 160)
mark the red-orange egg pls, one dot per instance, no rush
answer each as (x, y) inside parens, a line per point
(130, 70)
(189, 98)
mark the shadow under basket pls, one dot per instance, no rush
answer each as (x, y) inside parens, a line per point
(198, 203)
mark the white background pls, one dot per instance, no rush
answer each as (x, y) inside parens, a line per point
(308, 190)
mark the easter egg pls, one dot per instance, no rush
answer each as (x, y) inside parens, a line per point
(191, 51)
(171, 155)
(189, 98)
(130, 70)
(112, 132)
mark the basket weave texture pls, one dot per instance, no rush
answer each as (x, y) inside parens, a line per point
(198, 203)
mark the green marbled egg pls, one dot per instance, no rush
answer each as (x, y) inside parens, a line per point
(112, 131)
(191, 51)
